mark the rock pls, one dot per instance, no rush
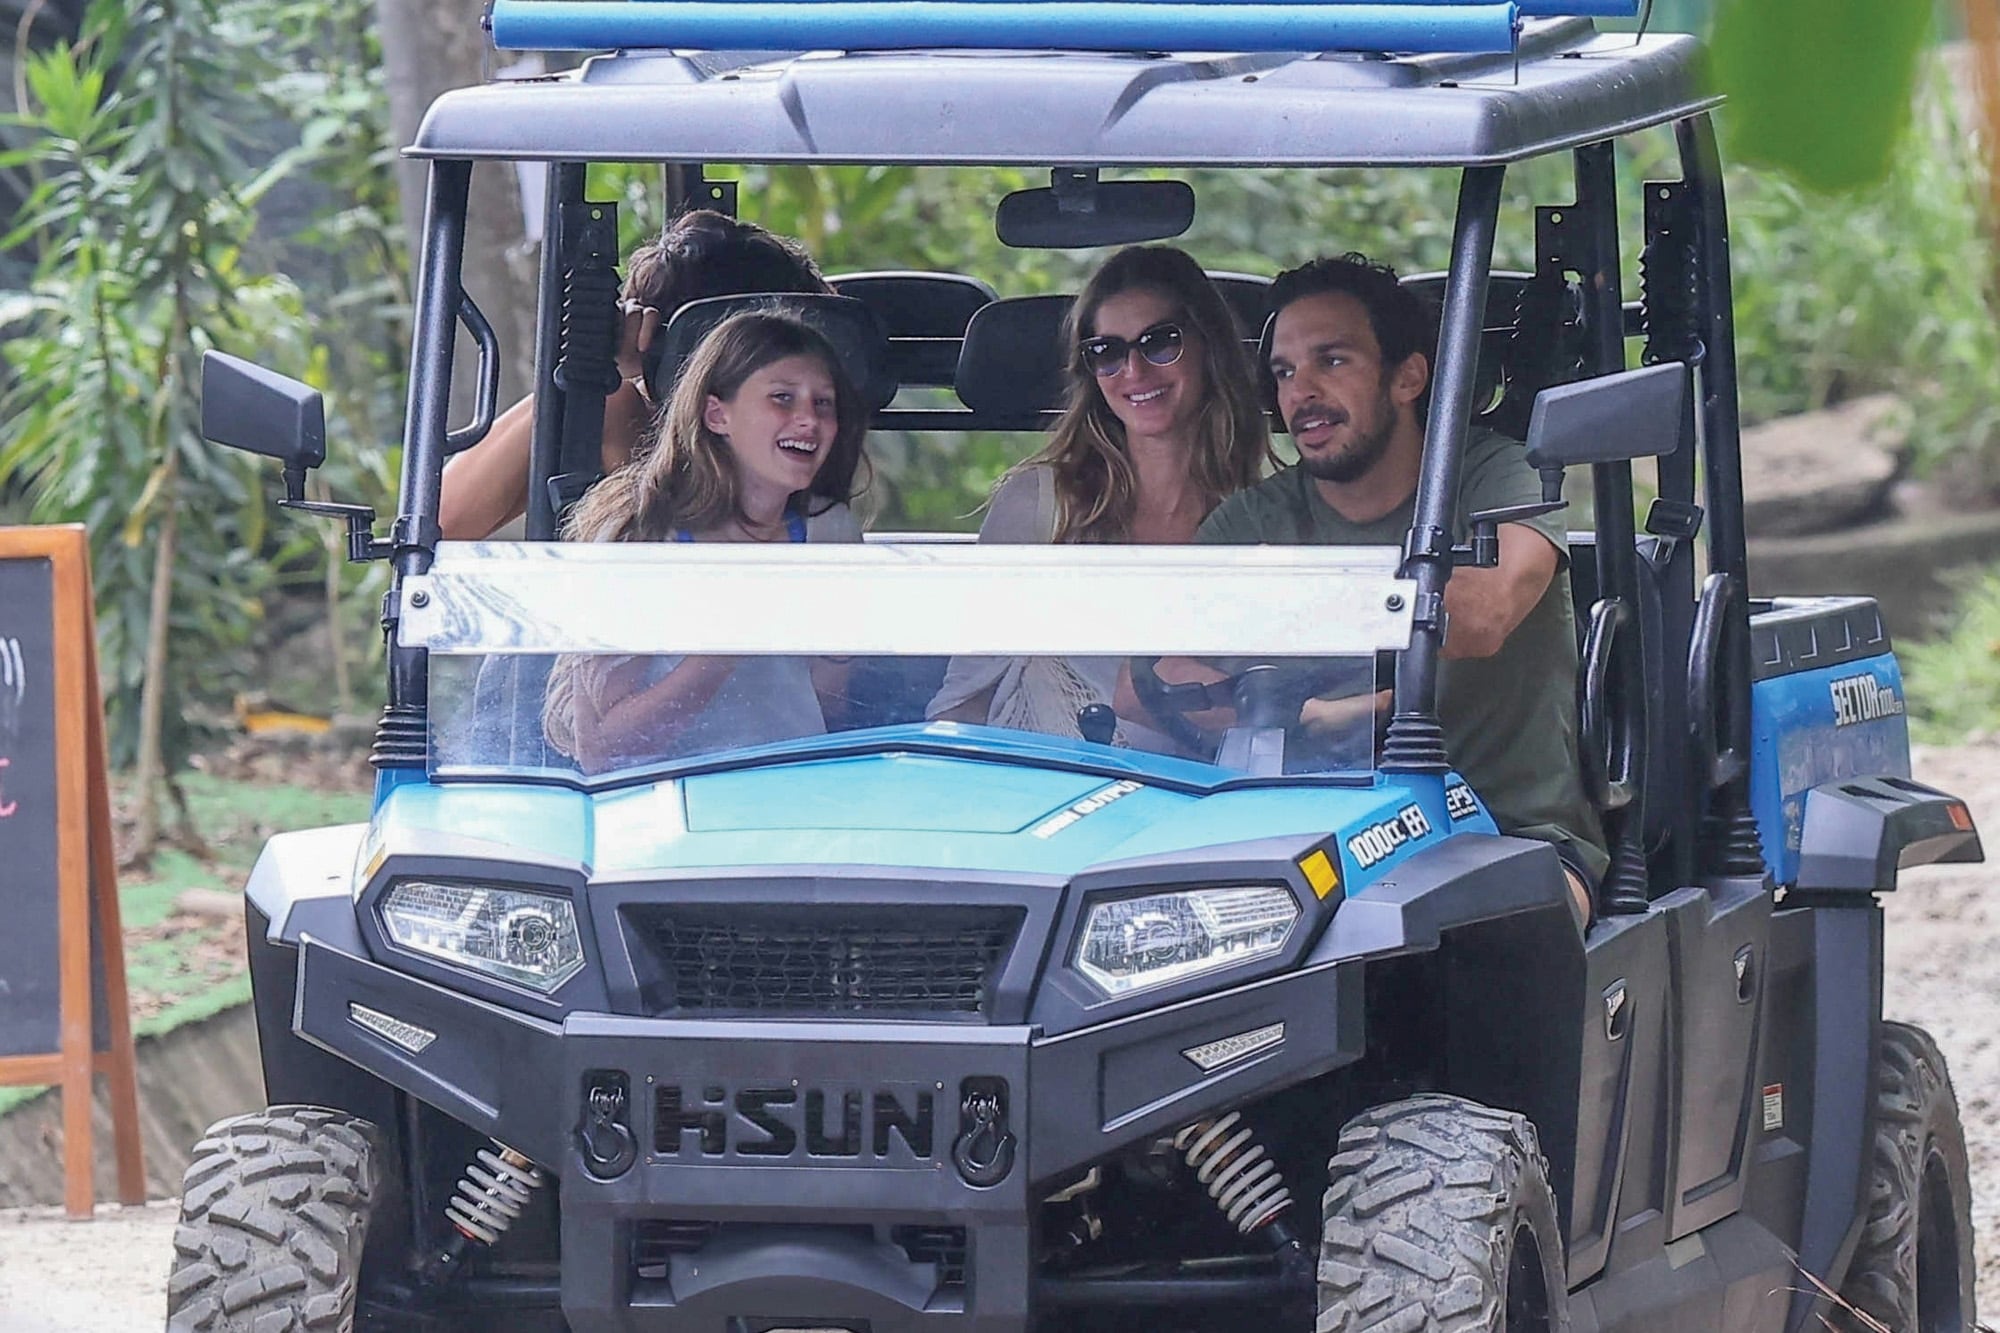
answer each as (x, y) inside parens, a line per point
(1902, 562)
(1819, 471)
(210, 903)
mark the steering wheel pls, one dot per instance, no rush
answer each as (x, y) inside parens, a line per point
(1266, 692)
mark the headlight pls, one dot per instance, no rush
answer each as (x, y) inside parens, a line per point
(513, 935)
(1133, 943)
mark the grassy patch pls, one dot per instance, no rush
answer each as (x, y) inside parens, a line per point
(1953, 681)
(181, 966)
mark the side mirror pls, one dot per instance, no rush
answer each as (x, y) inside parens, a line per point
(1611, 419)
(259, 411)
(1078, 210)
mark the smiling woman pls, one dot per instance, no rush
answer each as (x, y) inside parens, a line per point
(1161, 422)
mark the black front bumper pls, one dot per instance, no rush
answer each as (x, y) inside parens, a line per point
(804, 1174)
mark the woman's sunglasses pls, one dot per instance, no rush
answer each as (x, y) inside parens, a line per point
(1161, 345)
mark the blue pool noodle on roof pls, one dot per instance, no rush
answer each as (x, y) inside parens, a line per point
(1080, 25)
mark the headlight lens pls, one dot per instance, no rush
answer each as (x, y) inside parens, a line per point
(513, 935)
(1133, 943)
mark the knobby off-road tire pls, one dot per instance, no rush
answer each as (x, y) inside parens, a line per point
(1438, 1218)
(1913, 1269)
(274, 1217)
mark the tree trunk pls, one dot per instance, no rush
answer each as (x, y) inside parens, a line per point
(150, 762)
(429, 46)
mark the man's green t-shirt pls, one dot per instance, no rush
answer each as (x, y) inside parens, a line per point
(1509, 719)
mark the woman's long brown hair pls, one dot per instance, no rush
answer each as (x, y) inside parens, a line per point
(681, 476)
(1096, 488)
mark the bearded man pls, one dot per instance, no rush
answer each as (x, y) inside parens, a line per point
(1350, 353)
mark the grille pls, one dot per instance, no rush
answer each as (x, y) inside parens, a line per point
(826, 961)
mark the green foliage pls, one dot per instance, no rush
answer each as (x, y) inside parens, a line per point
(1889, 287)
(1953, 681)
(1820, 89)
(147, 205)
(144, 210)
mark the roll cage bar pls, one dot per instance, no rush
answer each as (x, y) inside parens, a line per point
(1685, 315)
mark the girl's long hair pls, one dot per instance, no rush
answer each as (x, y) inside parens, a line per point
(681, 476)
(1096, 488)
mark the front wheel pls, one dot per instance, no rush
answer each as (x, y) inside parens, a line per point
(1913, 1269)
(274, 1217)
(1438, 1216)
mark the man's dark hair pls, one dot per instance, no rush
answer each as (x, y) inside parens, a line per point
(704, 253)
(1402, 320)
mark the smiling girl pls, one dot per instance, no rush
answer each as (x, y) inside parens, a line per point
(761, 442)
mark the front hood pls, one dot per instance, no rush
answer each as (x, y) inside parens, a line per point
(997, 814)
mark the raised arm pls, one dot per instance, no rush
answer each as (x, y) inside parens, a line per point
(486, 487)
(1484, 606)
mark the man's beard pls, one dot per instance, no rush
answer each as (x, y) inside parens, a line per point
(1353, 462)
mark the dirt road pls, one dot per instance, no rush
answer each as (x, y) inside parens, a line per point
(109, 1276)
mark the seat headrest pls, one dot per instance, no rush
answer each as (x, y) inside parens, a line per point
(913, 304)
(848, 324)
(1248, 296)
(1012, 360)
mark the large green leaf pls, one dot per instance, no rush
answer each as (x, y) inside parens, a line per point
(1820, 89)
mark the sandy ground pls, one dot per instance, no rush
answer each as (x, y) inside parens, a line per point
(109, 1275)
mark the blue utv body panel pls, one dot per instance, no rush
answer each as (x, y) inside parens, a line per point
(1116, 25)
(969, 812)
(1812, 727)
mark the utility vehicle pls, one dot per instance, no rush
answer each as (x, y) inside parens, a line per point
(911, 1027)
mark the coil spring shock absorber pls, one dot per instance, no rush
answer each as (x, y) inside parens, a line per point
(489, 1199)
(492, 1193)
(1235, 1170)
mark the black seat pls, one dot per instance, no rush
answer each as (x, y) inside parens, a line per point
(913, 304)
(1248, 296)
(852, 328)
(924, 314)
(1012, 360)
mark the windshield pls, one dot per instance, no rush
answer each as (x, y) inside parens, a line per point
(606, 715)
(592, 661)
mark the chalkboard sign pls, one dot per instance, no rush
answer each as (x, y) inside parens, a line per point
(30, 980)
(63, 1009)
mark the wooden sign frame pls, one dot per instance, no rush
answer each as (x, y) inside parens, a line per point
(87, 883)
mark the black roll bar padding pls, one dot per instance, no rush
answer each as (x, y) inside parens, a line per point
(566, 184)
(1612, 739)
(1716, 765)
(486, 393)
(587, 369)
(1735, 847)
(1415, 742)
(1669, 278)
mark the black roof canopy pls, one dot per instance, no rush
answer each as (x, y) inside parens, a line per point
(1567, 85)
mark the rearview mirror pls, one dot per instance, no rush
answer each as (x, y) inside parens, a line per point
(1611, 419)
(1078, 210)
(259, 411)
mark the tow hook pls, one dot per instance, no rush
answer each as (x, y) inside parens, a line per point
(984, 1149)
(608, 1146)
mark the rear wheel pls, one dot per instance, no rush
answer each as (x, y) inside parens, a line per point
(1913, 1270)
(274, 1217)
(1438, 1216)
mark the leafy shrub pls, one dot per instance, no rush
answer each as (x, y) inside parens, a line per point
(1953, 681)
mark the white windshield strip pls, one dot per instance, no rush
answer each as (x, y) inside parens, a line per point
(494, 597)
